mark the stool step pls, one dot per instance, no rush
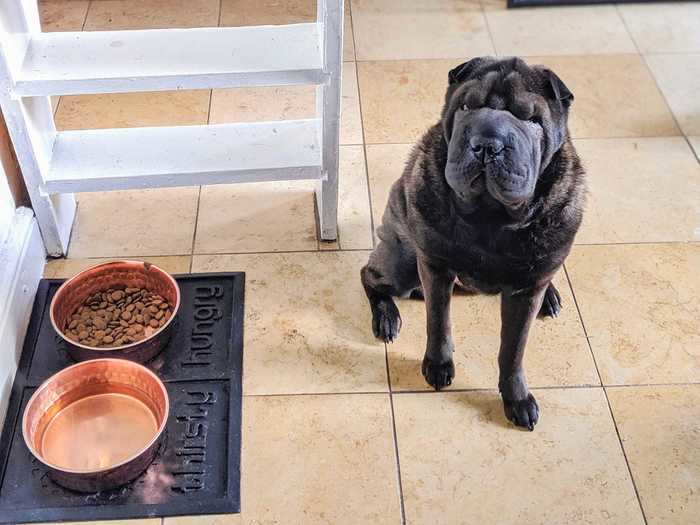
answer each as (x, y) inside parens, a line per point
(168, 59)
(118, 159)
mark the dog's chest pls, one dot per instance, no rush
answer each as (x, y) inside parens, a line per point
(489, 258)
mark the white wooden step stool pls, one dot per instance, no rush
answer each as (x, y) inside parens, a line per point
(36, 65)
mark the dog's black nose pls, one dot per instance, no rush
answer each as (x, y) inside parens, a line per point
(485, 148)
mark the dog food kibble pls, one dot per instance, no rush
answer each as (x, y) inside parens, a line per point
(118, 316)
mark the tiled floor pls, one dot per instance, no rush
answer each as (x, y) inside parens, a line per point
(338, 428)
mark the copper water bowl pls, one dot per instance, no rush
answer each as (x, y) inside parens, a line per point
(75, 291)
(97, 425)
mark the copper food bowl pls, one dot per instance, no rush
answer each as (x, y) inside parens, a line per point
(98, 424)
(75, 291)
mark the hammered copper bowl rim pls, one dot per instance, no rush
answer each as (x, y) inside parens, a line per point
(50, 382)
(81, 275)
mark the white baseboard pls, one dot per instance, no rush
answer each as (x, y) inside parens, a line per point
(22, 260)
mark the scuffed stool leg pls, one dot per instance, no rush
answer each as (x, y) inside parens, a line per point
(327, 204)
(330, 15)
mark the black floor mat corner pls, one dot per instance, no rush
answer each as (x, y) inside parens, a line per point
(197, 470)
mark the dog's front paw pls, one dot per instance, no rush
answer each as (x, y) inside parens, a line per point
(386, 321)
(522, 413)
(551, 304)
(438, 374)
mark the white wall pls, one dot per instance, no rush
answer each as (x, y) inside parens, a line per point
(22, 259)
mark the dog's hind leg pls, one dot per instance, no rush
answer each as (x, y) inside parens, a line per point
(392, 271)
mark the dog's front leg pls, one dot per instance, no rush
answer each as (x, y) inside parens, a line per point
(438, 367)
(518, 309)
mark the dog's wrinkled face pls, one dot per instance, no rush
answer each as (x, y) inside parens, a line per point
(503, 122)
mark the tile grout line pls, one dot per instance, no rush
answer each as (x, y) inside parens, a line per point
(607, 398)
(670, 109)
(638, 243)
(395, 435)
(344, 250)
(644, 56)
(663, 96)
(575, 139)
(194, 233)
(55, 111)
(87, 11)
(214, 254)
(621, 17)
(529, 56)
(686, 53)
(488, 28)
(362, 125)
(692, 149)
(655, 385)
(199, 193)
(402, 505)
(428, 391)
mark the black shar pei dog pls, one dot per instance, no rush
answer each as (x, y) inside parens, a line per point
(490, 200)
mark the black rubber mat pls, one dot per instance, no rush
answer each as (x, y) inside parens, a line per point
(197, 470)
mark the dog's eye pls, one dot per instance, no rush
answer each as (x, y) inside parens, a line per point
(535, 120)
(465, 107)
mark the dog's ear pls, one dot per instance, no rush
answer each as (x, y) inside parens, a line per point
(457, 75)
(558, 89)
(463, 71)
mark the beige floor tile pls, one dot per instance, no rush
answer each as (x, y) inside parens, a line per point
(616, 96)
(641, 190)
(308, 326)
(262, 103)
(354, 220)
(350, 121)
(659, 428)
(319, 460)
(570, 30)
(280, 216)
(264, 12)
(462, 463)
(260, 217)
(640, 305)
(126, 110)
(66, 268)
(695, 143)
(410, 29)
(288, 103)
(557, 351)
(113, 15)
(679, 79)
(664, 28)
(401, 99)
(219, 519)
(278, 12)
(62, 15)
(385, 164)
(348, 37)
(134, 223)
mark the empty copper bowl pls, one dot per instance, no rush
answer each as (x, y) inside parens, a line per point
(75, 291)
(98, 424)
